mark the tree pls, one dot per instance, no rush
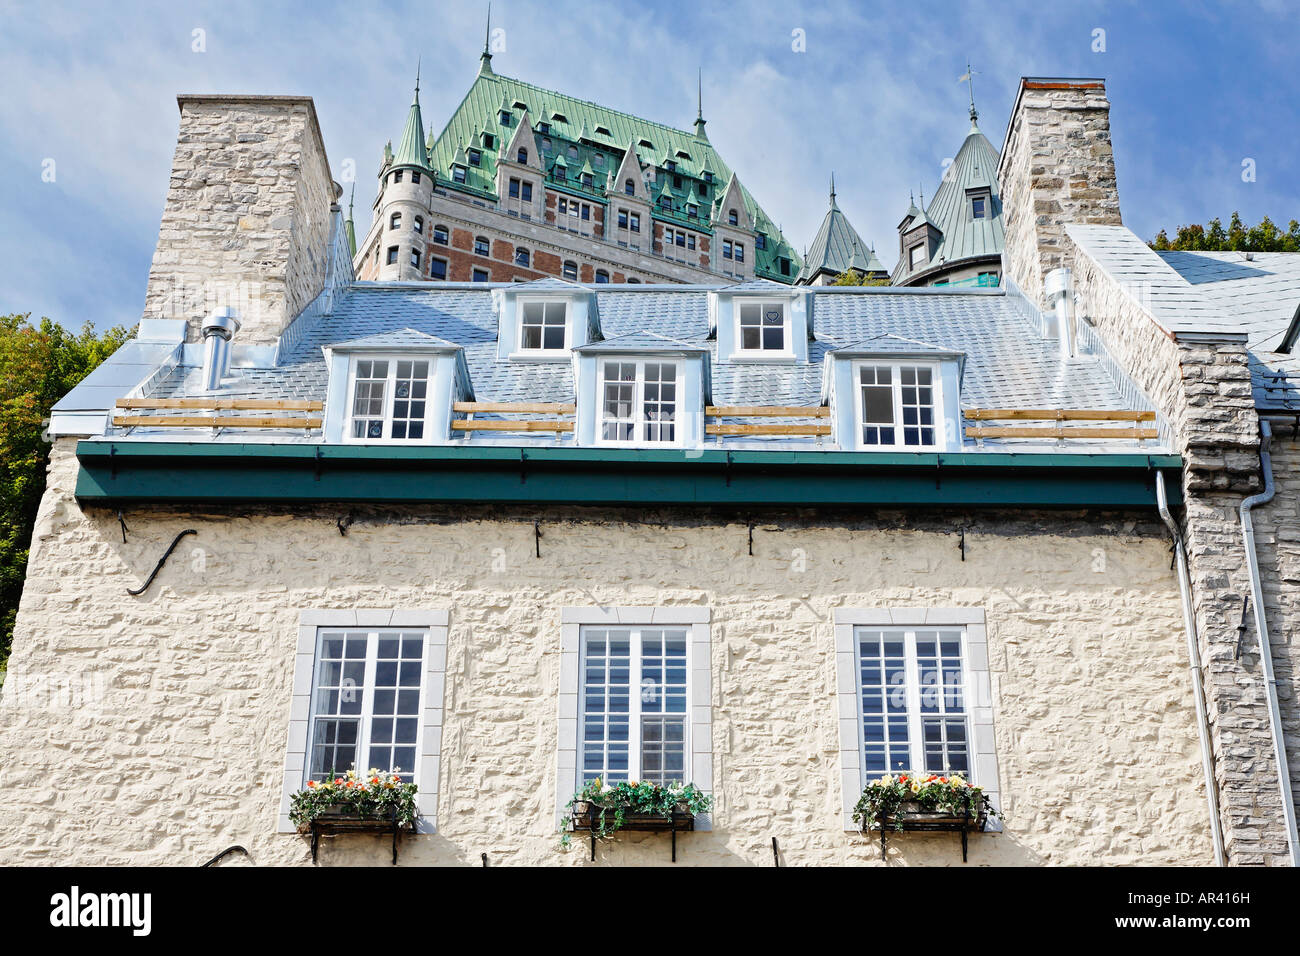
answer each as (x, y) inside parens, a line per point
(1265, 237)
(38, 366)
(854, 277)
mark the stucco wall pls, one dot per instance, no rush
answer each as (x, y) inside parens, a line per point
(170, 742)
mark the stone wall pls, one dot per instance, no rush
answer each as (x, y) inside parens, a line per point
(1277, 542)
(1204, 390)
(247, 217)
(1057, 167)
(171, 745)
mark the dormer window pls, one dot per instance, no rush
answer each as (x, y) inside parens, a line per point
(504, 117)
(670, 166)
(629, 187)
(638, 402)
(979, 206)
(522, 157)
(916, 256)
(389, 400)
(543, 326)
(897, 405)
(458, 174)
(587, 180)
(763, 328)
(732, 218)
(708, 176)
(489, 141)
(760, 241)
(475, 157)
(544, 128)
(602, 131)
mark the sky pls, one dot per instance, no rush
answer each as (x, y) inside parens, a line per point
(1205, 102)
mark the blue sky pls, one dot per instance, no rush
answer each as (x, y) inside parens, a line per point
(1196, 88)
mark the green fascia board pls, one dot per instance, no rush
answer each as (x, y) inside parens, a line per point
(114, 473)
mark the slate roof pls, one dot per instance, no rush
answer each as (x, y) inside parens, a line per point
(399, 339)
(598, 152)
(964, 237)
(1007, 365)
(1214, 293)
(837, 247)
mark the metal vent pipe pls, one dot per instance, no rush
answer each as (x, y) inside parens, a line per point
(218, 329)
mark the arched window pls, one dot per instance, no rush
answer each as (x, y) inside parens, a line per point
(570, 269)
(629, 187)
(418, 223)
(481, 246)
(395, 221)
(523, 156)
(602, 275)
(415, 258)
(521, 256)
(440, 234)
(633, 281)
(573, 151)
(732, 218)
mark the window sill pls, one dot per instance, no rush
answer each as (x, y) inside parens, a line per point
(763, 358)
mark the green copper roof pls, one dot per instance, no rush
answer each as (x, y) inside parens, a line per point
(582, 125)
(411, 149)
(964, 237)
(838, 248)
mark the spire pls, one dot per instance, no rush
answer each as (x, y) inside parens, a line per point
(968, 78)
(411, 149)
(832, 187)
(699, 107)
(348, 227)
(485, 61)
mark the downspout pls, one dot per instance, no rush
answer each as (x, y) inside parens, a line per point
(1194, 664)
(1265, 650)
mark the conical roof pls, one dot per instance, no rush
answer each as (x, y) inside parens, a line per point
(411, 150)
(837, 247)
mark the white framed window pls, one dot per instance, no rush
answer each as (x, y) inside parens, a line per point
(366, 701)
(635, 698)
(916, 255)
(897, 404)
(368, 691)
(543, 325)
(763, 327)
(914, 694)
(634, 721)
(389, 399)
(639, 402)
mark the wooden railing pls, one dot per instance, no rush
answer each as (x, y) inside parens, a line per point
(215, 407)
(768, 411)
(1134, 431)
(470, 424)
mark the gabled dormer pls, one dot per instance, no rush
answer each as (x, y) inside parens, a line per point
(761, 321)
(521, 150)
(888, 393)
(641, 390)
(628, 182)
(543, 320)
(393, 388)
(918, 238)
(730, 208)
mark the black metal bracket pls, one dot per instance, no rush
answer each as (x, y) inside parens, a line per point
(938, 466)
(344, 523)
(776, 854)
(751, 539)
(727, 470)
(319, 459)
(112, 461)
(537, 536)
(523, 467)
(122, 521)
(161, 561)
(226, 852)
(961, 542)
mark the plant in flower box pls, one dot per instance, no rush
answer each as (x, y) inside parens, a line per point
(602, 809)
(378, 795)
(895, 800)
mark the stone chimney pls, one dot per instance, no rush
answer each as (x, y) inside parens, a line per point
(1057, 168)
(247, 219)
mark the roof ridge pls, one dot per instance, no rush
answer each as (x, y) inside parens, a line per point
(607, 109)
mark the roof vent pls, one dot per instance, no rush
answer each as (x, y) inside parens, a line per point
(218, 329)
(1059, 292)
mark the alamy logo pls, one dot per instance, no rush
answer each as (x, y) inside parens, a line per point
(102, 909)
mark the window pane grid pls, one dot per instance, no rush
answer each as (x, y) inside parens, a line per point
(390, 399)
(897, 405)
(634, 705)
(368, 394)
(913, 702)
(762, 327)
(543, 325)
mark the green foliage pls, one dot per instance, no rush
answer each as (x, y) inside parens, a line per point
(377, 795)
(854, 277)
(1265, 237)
(611, 804)
(934, 793)
(39, 364)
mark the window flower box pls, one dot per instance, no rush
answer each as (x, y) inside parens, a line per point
(601, 810)
(377, 803)
(923, 803)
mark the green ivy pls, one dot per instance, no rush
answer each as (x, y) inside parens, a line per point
(375, 796)
(935, 793)
(611, 804)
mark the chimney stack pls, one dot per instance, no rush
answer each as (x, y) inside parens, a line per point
(1057, 168)
(247, 220)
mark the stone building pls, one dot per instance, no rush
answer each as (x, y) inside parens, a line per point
(525, 182)
(771, 540)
